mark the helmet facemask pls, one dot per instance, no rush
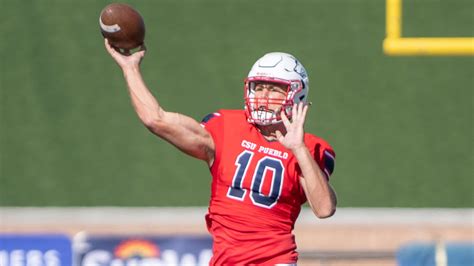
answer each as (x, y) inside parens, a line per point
(258, 109)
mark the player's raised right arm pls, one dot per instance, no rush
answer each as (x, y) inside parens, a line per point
(182, 131)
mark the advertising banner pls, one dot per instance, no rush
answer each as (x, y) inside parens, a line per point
(143, 251)
(35, 250)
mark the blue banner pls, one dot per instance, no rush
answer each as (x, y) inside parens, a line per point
(37, 250)
(150, 251)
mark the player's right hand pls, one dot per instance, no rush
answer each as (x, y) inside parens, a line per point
(126, 59)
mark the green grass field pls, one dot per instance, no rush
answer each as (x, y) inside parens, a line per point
(401, 126)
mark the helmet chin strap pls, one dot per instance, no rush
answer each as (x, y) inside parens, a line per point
(266, 117)
(263, 117)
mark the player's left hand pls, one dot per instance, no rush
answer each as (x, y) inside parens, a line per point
(294, 137)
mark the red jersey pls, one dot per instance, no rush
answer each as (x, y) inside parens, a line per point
(256, 193)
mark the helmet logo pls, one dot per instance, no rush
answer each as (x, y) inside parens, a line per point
(300, 70)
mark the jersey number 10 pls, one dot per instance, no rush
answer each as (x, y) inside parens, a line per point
(236, 191)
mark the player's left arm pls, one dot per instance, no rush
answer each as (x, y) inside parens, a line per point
(320, 194)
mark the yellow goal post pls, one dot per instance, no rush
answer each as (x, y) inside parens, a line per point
(395, 44)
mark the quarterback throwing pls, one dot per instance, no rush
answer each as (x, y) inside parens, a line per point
(263, 165)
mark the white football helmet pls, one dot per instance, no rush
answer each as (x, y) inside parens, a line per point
(280, 68)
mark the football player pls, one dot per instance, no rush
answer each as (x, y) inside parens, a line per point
(263, 165)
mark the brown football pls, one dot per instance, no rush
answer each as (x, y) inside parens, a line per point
(122, 25)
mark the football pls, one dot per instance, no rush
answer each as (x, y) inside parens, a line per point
(122, 25)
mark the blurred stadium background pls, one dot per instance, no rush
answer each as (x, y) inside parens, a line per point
(401, 125)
